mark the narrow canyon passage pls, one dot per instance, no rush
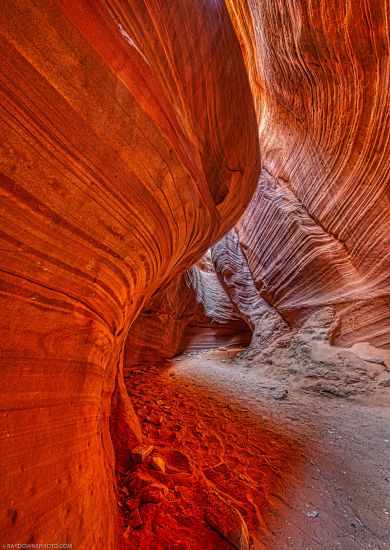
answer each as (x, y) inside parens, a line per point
(195, 274)
(230, 461)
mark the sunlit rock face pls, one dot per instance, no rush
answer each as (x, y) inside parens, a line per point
(219, 323)
(129, 145)
(317, 231)
(233, 270)
(157, 333)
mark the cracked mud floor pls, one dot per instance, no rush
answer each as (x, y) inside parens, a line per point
(230, 462)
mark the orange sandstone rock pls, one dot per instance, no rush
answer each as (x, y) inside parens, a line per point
(129, 145)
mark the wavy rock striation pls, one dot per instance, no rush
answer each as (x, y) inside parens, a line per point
(317, 231)
(121, 162)
(220, 323)
(237, 280)
(130, 145)
(193, 312)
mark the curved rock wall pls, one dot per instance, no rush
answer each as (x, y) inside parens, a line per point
(232, 267)
(192, 313)
(130, 144)
(219, 322)
(116, 174)
(157, 332)
(317, 231)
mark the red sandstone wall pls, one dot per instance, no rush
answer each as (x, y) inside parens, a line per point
(219, 323)
(318, 228)
(192, 313)
(129, 146)
(123, 157)
(317, 231)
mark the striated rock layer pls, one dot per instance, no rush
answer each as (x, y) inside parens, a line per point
(193, 312)
(317, 231)
(129, 145)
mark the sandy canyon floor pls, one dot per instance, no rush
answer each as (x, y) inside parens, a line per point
(231, 459)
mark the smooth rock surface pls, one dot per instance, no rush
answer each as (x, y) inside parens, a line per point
(131, 141)
(317, 231)
(121, 162)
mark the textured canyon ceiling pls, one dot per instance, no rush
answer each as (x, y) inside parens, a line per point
(132, 133)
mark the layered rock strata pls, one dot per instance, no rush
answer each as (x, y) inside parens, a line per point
(129, 145)
(192, 313)
(318, 229)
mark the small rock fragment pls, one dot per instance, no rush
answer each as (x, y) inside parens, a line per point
(164, 490)
(141, 452)
(135, 520)
(313, 514)
(279, 394)
(131, 504)
(158, 463)
(227, 521)
(154, 419)
(127, 533)
(152, 495)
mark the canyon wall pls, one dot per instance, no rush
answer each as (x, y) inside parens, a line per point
(220, 323)
(129, 145)
(317, 231)
(192, 313)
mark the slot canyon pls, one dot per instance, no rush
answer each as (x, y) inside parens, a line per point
(195, 274)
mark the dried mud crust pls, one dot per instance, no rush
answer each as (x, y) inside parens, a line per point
(228, 463)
